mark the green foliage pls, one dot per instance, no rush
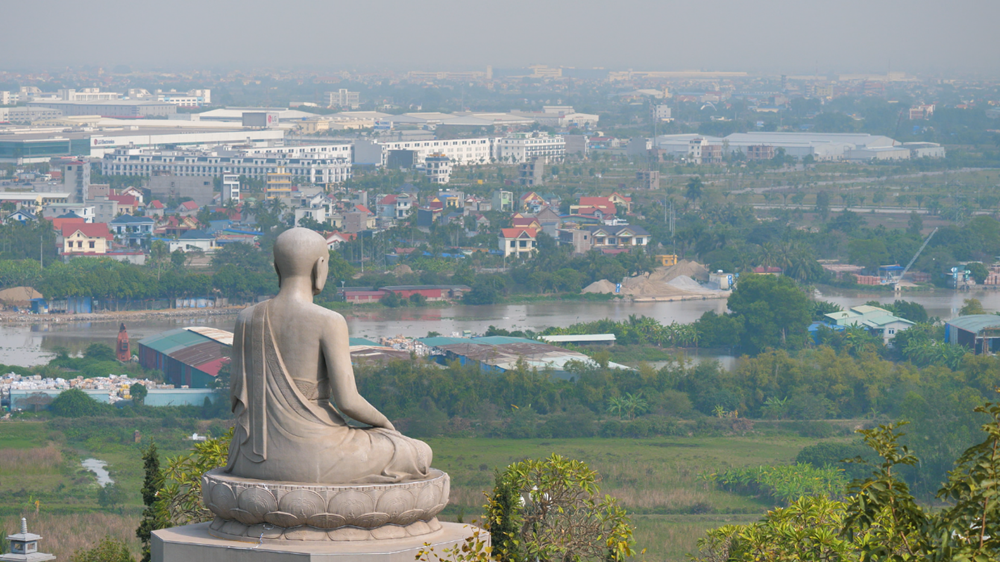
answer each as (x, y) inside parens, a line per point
(75, 403)
(783, 484)
(111, 496)
(99, 352)
(154, 514)
(138, 392)
(838, 455)
(970, 307)
(107, 550)
(504, 519)
(180, 497)
(562, 517)
(880, 519)
(775, 313)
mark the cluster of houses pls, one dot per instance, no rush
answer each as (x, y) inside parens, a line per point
(125, 230)
(123, 225)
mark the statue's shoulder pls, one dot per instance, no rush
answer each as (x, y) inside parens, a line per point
(326, 313)
(247, 312)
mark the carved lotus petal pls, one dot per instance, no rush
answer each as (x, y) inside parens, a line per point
(408, 517)
(327, 520)
(258, 502)
(351, 504)
(429, 496)
(282, 519)
(302, 504)
(395, 502)
(371, 520)
(223, 500)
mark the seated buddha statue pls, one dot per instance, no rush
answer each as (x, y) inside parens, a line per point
(292, 384)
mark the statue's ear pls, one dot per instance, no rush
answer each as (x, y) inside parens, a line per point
(315, 277)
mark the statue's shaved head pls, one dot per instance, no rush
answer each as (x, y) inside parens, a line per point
(296, 252)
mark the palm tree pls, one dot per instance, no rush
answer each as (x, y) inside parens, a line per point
(616, 405)
(635, 405)
(694, 189)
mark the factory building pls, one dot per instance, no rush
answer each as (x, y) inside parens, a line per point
(188, 357)
(192, 357)
(980, 333)
(32, 147)
(498, 354)
(122, 109)
(858, 147)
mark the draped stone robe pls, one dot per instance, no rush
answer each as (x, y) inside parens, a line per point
(284, 434)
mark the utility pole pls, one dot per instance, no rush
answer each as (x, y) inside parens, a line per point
(41, 250)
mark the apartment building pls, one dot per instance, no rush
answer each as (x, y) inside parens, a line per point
(461, 152)
(138, 162)
(524, 147)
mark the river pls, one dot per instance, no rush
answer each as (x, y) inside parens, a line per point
(34, 344)
(99, 469)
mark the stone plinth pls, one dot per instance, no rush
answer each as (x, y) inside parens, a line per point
(276, 512)
(193, 543)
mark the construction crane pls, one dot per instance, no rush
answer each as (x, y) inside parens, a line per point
(897, 280)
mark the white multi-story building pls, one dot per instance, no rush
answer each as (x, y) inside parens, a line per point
(88, 94)
(343, 98)
(522, 147)
(190, 98)
(7, 98)
(461, 152)
(335, 150)
(137, 162)
(230, 187)
(662, 112)
(437, 167)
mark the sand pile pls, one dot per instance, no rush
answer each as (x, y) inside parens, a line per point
(602, 286)
(667, 283)
(692, 269)
(18, 296)
(401, 269)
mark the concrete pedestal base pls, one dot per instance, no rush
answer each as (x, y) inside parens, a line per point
(193, 543)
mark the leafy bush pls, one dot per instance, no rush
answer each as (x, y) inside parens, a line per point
(75, 403)
(783, 484)
(833, 454)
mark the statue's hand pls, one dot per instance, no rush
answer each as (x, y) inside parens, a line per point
(388, 425)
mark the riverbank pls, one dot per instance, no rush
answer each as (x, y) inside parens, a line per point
(123, 316)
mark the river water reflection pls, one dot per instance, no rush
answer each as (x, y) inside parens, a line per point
(34, 344)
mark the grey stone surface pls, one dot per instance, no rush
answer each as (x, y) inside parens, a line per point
(290, 358)
(286, 510)
(193, 543)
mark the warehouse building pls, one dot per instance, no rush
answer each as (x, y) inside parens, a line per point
(123, 109)
(192, 357)
(980, 333)
(499, 354)
(188, 357)
(33, 146)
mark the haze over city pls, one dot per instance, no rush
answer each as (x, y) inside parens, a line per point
(778, 36)
(313, 280)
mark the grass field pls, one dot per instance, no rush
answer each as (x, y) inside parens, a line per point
(656, 479)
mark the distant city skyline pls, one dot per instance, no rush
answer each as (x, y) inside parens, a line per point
(768, 36)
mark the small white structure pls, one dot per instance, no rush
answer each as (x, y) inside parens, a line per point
(24, 547)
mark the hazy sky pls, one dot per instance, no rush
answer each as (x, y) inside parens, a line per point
(945, 37)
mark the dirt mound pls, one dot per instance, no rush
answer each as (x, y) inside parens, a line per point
(18, 296)
(692, 269)
(402, 269)
(678, 281)
(685, 283)
(602, 286)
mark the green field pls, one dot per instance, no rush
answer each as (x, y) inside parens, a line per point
(657, 479)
